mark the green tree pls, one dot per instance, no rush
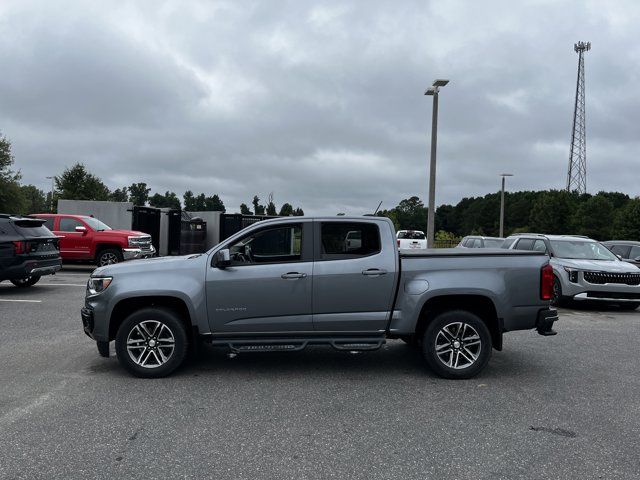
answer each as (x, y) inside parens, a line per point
(168, 200)
(139, 194)
(627, 225)
(119, 195)
(551, 213)
(244, 209)
(11, 198)
(257, 208)
(35, 200)
(271, 209)
(286, 210)
(411, 214)
(76, 183)
(189, 201)
(214, 204)
(298, 212)
(594, 218)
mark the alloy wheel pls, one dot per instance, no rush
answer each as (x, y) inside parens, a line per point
(150, 344)
(108, 258)
(458, 345)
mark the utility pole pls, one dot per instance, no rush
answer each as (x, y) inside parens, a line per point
(503, 175)
(431, 213)
(577, 174)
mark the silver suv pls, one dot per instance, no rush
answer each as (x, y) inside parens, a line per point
(584, 269)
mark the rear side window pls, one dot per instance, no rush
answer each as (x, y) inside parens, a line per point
(508, 242)
(622, 250)
(69, 224)
(348, 240)
(477, 243)
(635, 253)
(524, 244)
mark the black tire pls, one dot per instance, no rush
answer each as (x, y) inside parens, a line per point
(156, 365)
(108, 256)
(558, 299)
(26, 281)
(472, 358)
(629, 306)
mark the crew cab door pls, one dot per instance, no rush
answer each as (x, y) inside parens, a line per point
(268, 286)
(354, 276)
(74, 245)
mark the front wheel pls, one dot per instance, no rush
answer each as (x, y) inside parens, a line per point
(457, 344)
(152, 342)
(26, 281)
(108, 256)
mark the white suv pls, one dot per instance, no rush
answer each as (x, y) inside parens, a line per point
(584, 269)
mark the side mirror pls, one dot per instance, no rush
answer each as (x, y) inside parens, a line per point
(619, 257)
(637, 259)
(81, 229)
(222, 259)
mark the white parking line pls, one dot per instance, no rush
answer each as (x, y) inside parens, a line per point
(17, 300)
(64, 284)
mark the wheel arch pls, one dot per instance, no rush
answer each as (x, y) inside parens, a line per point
(479, 305)
(101, 246)
(127, 306)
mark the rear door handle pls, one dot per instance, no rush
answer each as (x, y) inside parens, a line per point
(293, 275)
(374, 272)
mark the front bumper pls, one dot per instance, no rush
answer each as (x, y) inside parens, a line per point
(608, 296)
(136, 253)
(88, 323)
(603, 292)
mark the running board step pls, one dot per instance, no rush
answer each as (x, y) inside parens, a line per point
(357, 346)
(275, 347)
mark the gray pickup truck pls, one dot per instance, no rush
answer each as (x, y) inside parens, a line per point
(283, 284)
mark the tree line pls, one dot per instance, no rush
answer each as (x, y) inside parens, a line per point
(77, 183)
(603, 216)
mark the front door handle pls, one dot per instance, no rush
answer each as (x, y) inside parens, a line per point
(374, 272)
(293, 275)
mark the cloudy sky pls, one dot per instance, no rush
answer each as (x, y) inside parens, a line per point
(320, 103)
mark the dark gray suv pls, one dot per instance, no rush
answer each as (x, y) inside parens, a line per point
(627, 250)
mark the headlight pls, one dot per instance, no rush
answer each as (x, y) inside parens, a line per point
(98, 285)
(133, 241)
(573, 274)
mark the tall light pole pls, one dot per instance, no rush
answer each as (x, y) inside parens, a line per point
(431, 214)
(51, 203)
(502, 203)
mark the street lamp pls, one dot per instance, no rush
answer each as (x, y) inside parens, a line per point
(502, 204)
(51, 203)
(431, 214)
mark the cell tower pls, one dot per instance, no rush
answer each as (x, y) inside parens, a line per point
(577, 176)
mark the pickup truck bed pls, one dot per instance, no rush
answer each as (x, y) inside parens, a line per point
(283, 284)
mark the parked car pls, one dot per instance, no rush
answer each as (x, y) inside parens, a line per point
(283, 284)
(474, 241)
(28, 250)
(627, 250)
(411, 239)
(584, 269)
(84, 238)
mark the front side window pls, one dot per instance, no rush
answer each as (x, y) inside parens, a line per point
(96, 224)
(273, 245)
(348, 240)
(69, 224)
(539, 246)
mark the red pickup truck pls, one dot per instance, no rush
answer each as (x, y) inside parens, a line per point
(84, 238)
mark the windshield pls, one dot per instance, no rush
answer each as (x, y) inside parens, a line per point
(96, 224)
(579, 250)
(493, 242)
(412, 235)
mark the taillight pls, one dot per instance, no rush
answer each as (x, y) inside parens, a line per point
(21, 247)
(546, 282)
(398, 242)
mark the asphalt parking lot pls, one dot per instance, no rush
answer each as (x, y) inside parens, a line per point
(555, 407)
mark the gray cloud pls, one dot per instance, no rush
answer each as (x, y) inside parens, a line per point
(318, 102)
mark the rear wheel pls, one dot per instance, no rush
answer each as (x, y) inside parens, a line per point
(26, 281)
(457, 344)
(108, 256)
(151, 342)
